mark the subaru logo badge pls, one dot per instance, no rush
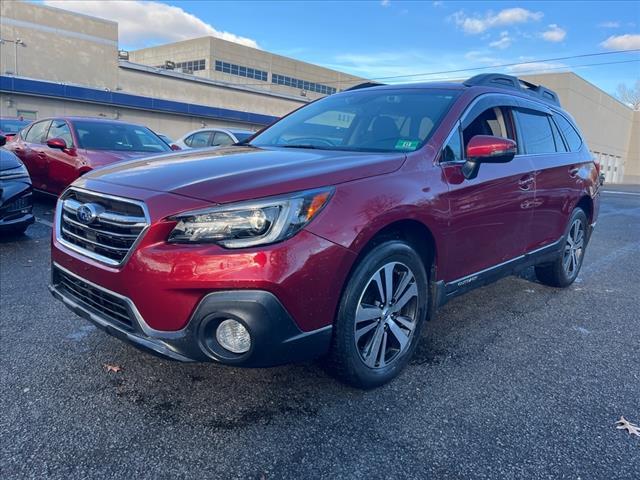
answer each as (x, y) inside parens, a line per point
(88, 212)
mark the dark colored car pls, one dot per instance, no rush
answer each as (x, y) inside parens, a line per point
(335, 232)
(57, 151)
(9, 127)
(15, 193)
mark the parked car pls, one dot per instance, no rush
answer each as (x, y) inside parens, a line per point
(15, 193)
(336, 232)
(58, 150)
(9, 127)
(168, 141)
(212, 137)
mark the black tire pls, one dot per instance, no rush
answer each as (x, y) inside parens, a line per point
(346, 358)
(15, 230)
(556, 273)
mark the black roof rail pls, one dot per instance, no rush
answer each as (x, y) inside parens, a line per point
(363, 85)
(499, 80)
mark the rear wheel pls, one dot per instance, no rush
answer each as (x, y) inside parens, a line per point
(380, 316)
(564, 270)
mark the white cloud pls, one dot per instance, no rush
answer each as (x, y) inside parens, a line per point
(438, 4)
(622, 42)
(502, 43)
(508, 16)
(146, 23)
(609, 25)
(385, 3)
(554, 33)
(536, 67)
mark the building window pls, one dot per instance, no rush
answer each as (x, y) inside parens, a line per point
(240, 71)
(191, 65)
(301, 84)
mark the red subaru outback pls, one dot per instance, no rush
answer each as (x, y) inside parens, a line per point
(334, 233)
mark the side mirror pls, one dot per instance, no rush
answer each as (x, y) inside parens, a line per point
(58, 143)
(487, 149)
(175, 147)
(3, 140)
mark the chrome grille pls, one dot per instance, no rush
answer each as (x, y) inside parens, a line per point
(102, 303)
(110, 234)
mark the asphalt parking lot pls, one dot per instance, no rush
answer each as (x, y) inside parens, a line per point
(515, 380)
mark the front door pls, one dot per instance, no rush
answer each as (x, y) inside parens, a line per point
(490, 215)
(62, 166)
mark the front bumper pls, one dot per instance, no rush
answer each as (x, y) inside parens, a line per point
(276, 339)
(16, 204)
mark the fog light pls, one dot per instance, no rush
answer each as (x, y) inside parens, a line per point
(233, 336)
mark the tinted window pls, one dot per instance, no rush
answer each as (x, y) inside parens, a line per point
(60, 129)
(37, 133)
(452, 151)
(222, 139)
(13, 126)
(378, 120)
(118, 136)
(570, 135)
(199, 140)
(560, 146)
(536, 130)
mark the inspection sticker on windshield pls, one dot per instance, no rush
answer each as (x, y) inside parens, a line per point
(407, 144)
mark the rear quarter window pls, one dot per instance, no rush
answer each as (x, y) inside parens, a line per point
(571, 136)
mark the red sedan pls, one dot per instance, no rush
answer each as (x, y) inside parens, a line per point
(56, 151)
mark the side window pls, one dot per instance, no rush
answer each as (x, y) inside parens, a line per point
(560, 146)
(199, 140)
(60, 129)
(222, 139)
(569, 132)
(38, 132)
(452, 151)
(536, 130)
(494, 121)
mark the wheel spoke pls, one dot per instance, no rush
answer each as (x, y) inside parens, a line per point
(407, 278)
(388, 279)
(378, 279)
(367, 328)
(373, 347)
(406, 322)
(567, 261)
(365, 313)
(410, 293)
(401, 336)
(383, 350)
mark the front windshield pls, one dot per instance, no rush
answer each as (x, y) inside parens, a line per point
(375, 120)
(118, 136)
(13, 126)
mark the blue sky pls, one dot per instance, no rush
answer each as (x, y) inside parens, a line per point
(391, 38)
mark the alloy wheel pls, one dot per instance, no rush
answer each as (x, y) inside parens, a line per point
(387, 315)
(574, 248)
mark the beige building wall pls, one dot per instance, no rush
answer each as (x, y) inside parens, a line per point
(632, 170)
(606, 123)
(59, 46)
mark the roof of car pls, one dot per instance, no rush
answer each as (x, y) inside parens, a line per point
(90, 119)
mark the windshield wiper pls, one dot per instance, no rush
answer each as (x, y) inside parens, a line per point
(312, 147)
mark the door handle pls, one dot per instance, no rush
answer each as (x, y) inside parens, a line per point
(526, 182)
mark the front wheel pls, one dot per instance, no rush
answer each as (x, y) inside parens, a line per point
(380, 316)
(564, 270)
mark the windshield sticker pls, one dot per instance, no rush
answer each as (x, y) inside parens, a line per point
(407, 144)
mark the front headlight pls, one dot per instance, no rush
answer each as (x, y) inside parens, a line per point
(248, 224)
(14, 173)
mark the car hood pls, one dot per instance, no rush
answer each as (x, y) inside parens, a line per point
(8, 160)
(239, 173)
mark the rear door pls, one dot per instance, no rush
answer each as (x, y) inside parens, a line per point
(221, 139)
(62, 165)
(490, 215)
(556, 169)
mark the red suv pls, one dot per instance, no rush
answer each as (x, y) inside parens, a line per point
(56, 151)
(336, 232)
